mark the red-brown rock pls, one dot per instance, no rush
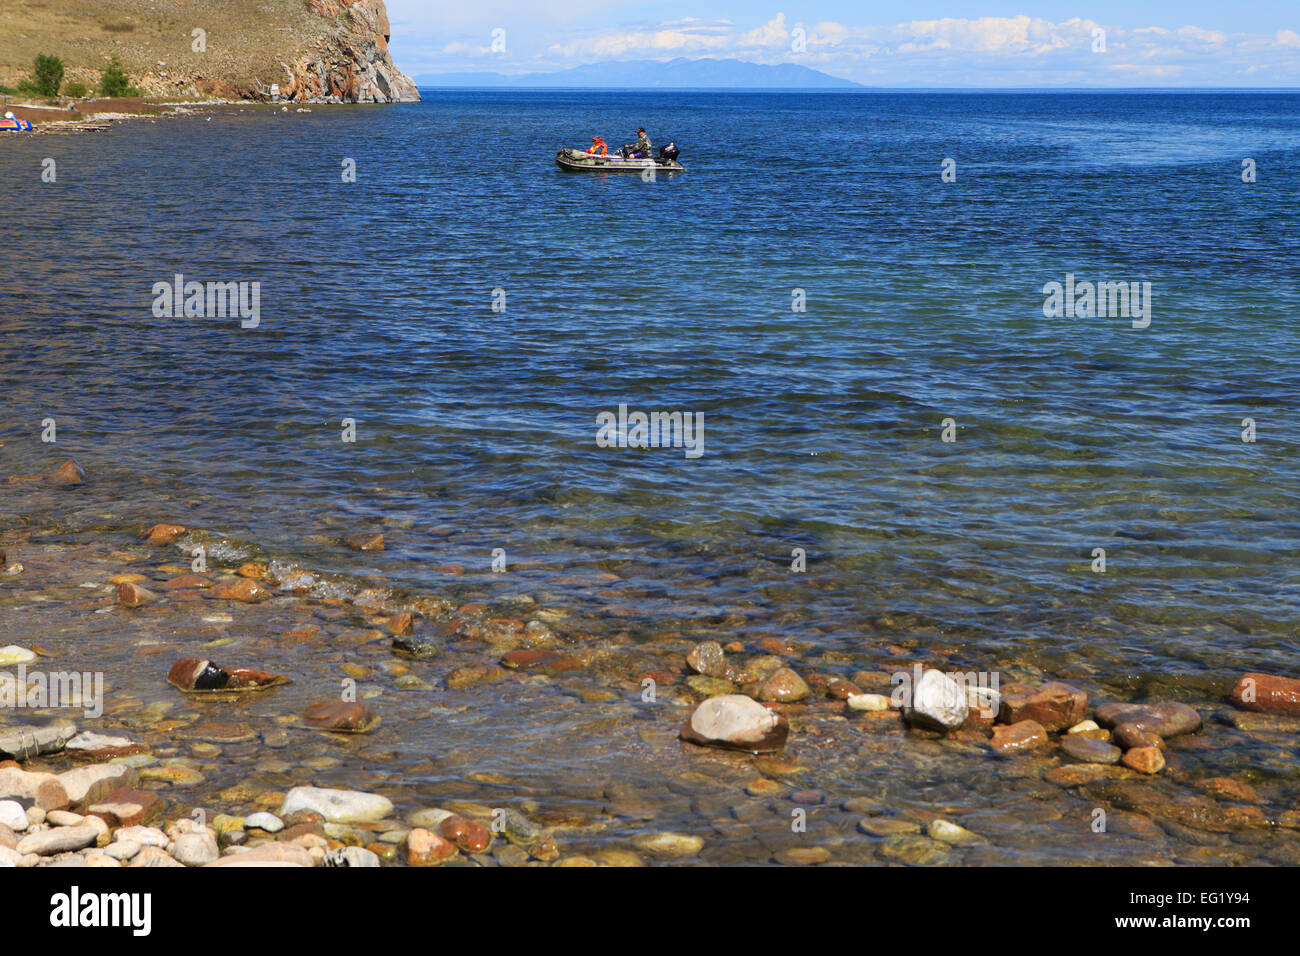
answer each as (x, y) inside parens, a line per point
(1268, 693)
(130, 594)
(1022, 735)
(199, 675)
(466, 834)
(164, 533)
(241, 589)
(365, 542)
(341, 716)
(1144, 759)
(1055, 705)
(68, 473)
(425, 848)
(126, 808)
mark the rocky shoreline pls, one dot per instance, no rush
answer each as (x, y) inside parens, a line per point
(250, 706)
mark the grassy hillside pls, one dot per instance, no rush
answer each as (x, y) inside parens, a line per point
(250, 43)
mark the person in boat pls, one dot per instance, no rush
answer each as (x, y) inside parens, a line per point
(597, 146)
(641, 149)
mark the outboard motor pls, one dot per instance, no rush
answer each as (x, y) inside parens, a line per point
(668, 151)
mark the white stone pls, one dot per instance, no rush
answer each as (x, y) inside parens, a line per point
(938, 703)
(196, 849)
(337, 806)
(63, 818)
(1083, 725)
(123, 849)
(86, 741)
(145, 836)
(13, 815)
(13, 654)
(734, 718)
(264, 821)
(950, 832)
(58, 840)
(96, 781)
(868, 702)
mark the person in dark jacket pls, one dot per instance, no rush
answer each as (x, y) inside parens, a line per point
(642, 149)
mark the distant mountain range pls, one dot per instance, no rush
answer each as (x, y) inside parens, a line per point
(680, 73)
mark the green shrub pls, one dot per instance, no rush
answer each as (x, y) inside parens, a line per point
(26, 87)
(48, 75)
(76, 90)
(115, 82)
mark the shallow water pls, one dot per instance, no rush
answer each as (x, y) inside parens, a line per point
(476, 430)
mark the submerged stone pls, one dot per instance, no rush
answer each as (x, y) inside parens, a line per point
(199, 675)
(736, 722)
(1164, 718)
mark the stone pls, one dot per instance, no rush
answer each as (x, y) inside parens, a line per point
(949, 832)
(253, 569)
(1084, 726)
(802, 856)
(26, 740)
(517, 828)
(937, 703)
(887, 826)
(669, 845)
(93, 783)
(200, 676)
(340, 716)
(64, 818)
(101, 746)
(133, 595)
(1088, 750)
(43, 790)
(468, 836)
(1132, 735)
(1165, 719)
(68, 473)
(58, 840)
(914, 850)
(840, 689)
(350, 856)
(425, 848)
(241, 589)
(13, 654)
(1144, 759)
(868, 702)
(1022, 735)
(337, 806)
(145, 836)
(1227, 789)
(785, 686)
(1268, 693)
(708, 658)
(365, 542)
(12, 815)
(267, 854)
(152, 856)
(421, 646)
(263, 821)
(736, 722)
(196, 849)
(1055, 705)
(123, 850)
(401, 624)
(126, 808)
(164, 533)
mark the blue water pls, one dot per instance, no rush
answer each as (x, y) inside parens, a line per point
(476, 429)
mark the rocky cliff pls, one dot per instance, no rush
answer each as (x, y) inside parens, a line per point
(312, 50)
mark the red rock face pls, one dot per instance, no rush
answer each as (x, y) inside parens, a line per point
(1268, 693)
(1056, 706)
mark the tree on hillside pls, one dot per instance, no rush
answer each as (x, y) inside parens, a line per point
(48, 75)
(114, 81)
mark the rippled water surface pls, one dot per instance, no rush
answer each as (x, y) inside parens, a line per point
(823, 429)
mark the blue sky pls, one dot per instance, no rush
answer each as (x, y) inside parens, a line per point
(884, 43)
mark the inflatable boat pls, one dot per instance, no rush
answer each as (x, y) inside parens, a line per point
(14, 125)
(578, 161)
